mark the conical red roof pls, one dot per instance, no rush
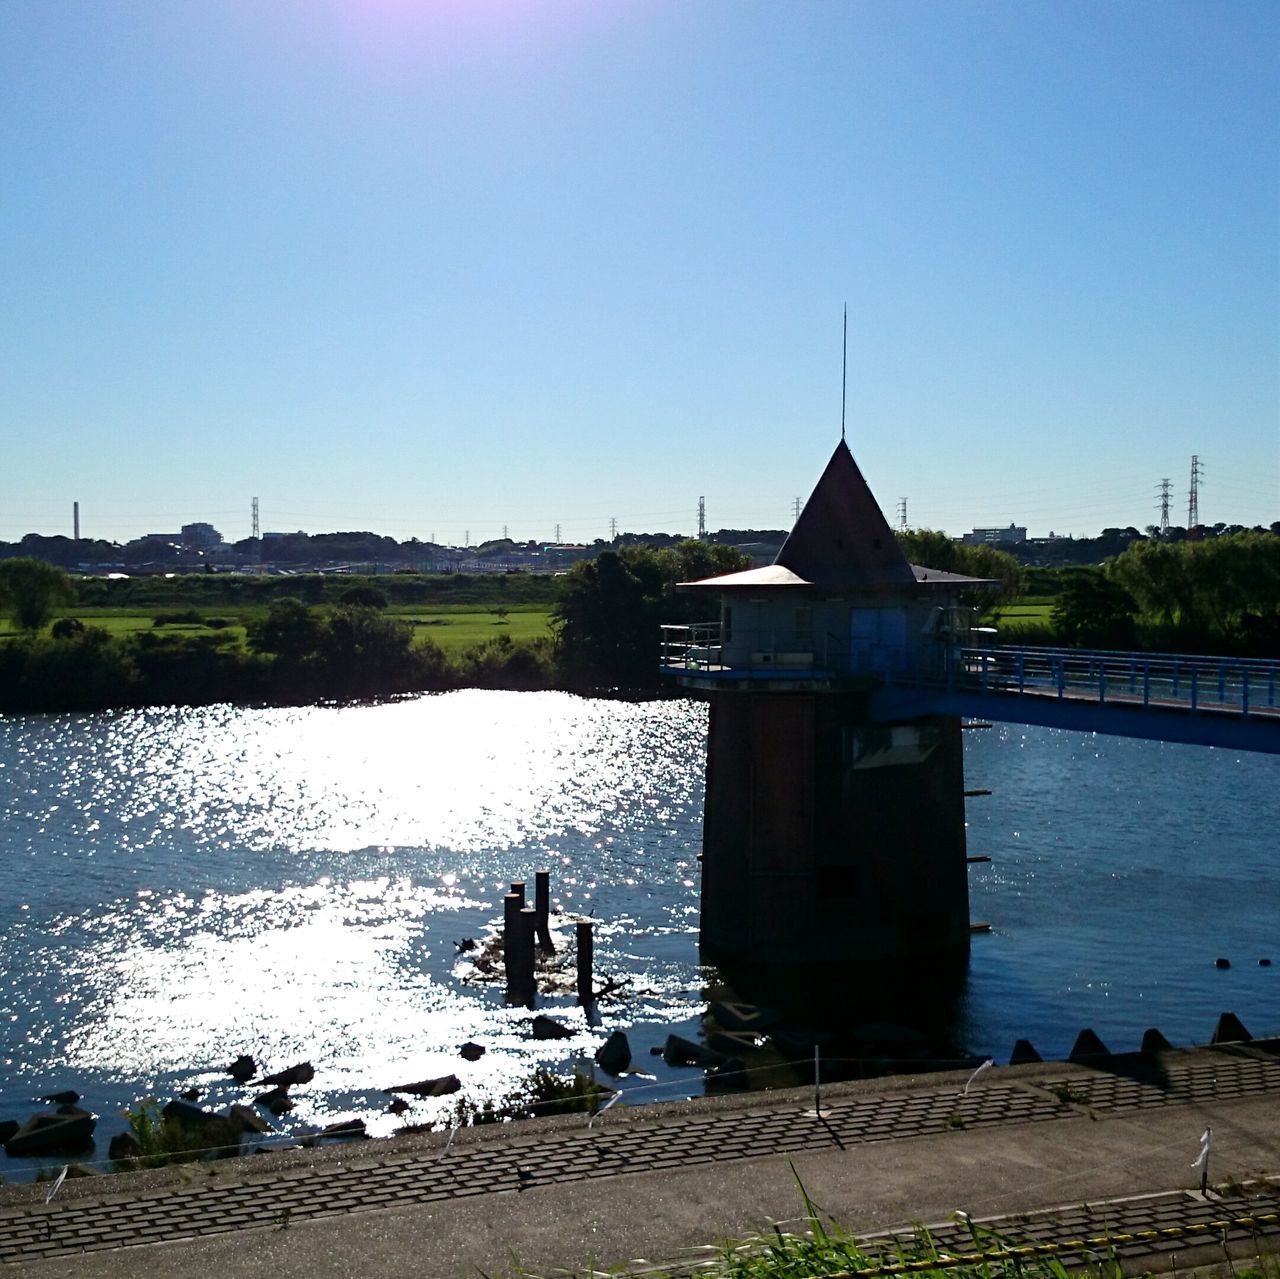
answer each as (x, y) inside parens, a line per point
(842, 537)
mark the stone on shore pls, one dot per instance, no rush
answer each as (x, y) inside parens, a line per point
(216, 1132)
(441, 1087)
(124, 1145)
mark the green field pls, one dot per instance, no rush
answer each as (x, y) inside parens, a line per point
(1024, 613)
(453, 629)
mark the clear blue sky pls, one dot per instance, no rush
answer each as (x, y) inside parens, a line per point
(436, 266)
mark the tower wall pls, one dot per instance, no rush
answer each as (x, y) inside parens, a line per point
(831, 840)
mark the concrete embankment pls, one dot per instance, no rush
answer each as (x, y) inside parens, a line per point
(1113, 1140)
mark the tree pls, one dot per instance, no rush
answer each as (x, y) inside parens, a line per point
(290, 630)
(363, 652)
(606, 622)
(1094, 611)
(932, 548)
(610, 608)
(31, 589)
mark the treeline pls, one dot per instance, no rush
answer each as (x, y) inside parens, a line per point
(232, 590)
(296, 654)
(1114, 541)
(933, 549)
(606, 620)
(1217, 596)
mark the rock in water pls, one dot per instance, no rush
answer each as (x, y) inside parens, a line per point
(684, 1052)
(733, 1043)
(276, 1100)
(545, 1028)
(248, 1119)
(242, 1069)
(745, 1018)
(302, 1073)
(69, 1097)
(441, 1087)
(46, 1134)
(471, 1052)
(614, 1055)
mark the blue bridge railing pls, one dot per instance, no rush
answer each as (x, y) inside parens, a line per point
(1166, 681)
(1241, 687)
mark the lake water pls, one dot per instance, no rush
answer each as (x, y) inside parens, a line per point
(184, 885)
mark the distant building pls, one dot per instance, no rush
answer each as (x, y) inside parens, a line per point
(201, 535)
(1010, 536)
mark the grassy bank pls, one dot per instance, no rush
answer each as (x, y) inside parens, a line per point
(132, 658)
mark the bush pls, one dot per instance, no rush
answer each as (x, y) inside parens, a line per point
(86, 670)
(162, 1141)
(502, 662)
(363, 597)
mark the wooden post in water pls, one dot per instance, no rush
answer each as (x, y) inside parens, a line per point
(528, 960)
(542, 904)
(586, 960)
(517, 887)
(511, 906)
(517, 948)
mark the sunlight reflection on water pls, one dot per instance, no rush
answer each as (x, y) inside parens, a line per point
(190, 884)
(293, 882)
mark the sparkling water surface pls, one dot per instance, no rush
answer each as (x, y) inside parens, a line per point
(184, 885)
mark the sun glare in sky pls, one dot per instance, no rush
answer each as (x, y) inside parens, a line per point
(439, 267)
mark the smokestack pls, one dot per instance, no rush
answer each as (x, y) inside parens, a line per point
(75, 509)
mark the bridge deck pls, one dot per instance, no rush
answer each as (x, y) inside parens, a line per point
(1210, 701)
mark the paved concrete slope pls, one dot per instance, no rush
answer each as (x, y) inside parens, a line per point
(661, 1182)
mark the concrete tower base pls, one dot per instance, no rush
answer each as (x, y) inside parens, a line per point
(833, 843)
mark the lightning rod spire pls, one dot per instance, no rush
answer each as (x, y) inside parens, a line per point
(844, 370)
